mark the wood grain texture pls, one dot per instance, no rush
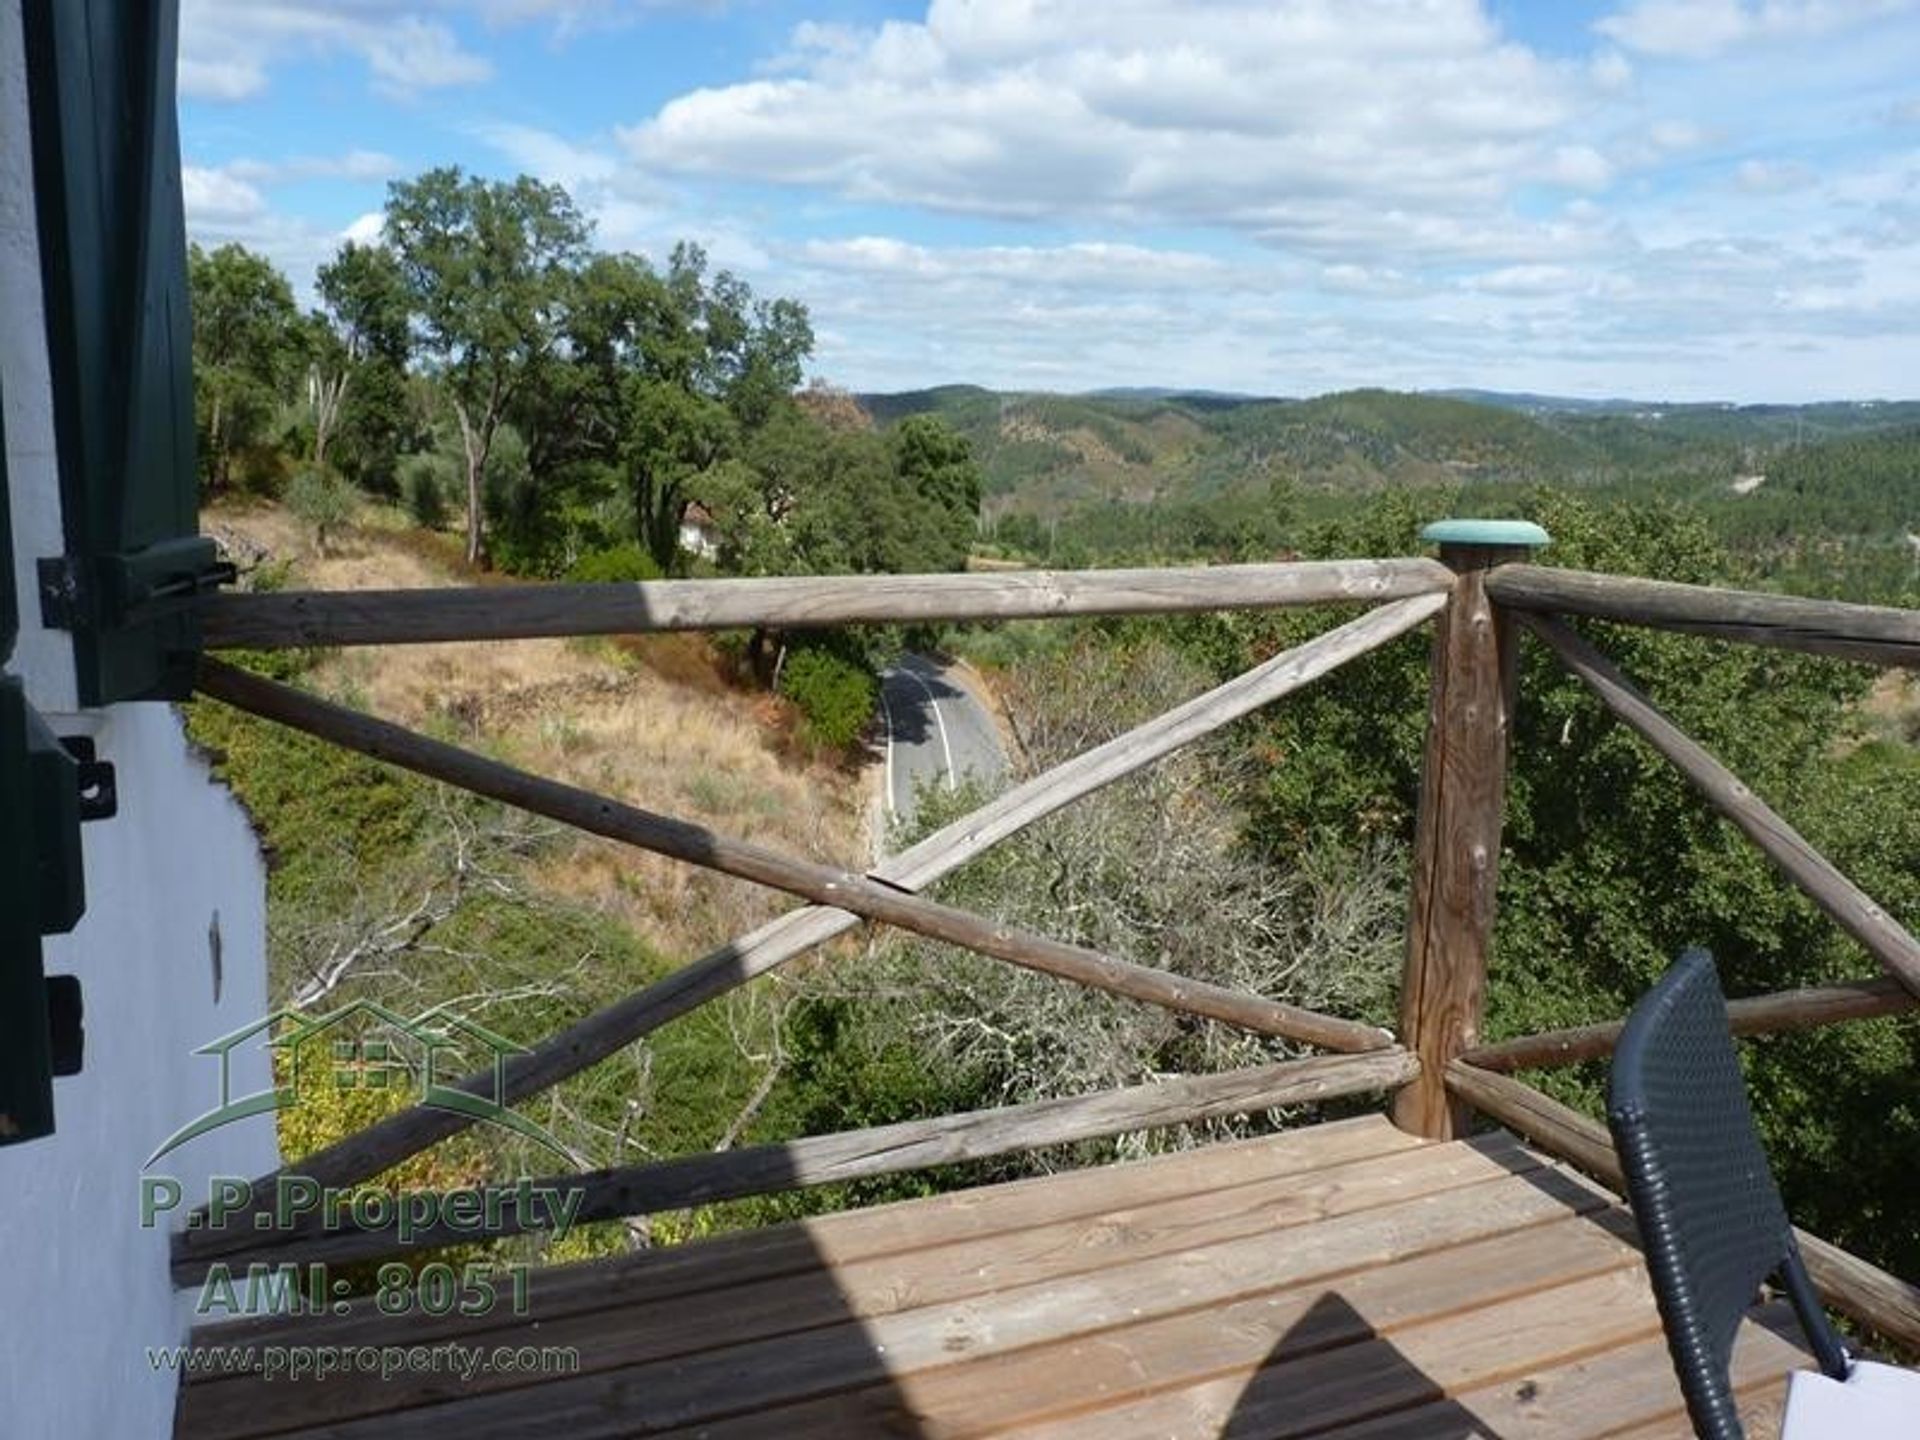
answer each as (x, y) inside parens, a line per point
(1606, 1394)
(1784, 1010)
(995, 1295)
(826, 1159)
(1110, 1367)
(1845, 903)
(877, 1234)
(713, 1388)
(1853, 1286)
(1872, 634)
(1456, 859)
(1338, 1280)
(604, 1033)
(1405, 1369)
(517, 612)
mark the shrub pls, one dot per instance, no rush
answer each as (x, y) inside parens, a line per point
(425, 480)
(835, 693)
(320, 499)
(617, 563)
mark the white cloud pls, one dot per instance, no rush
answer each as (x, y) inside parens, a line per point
(1528, 280)
(351, 165)
(550, 157)
(366, 229)
(1290, 121)
(1090, 263)
(410, 53)
(213, 196)
(1701, 29)
(1772, 177)
(228, 47)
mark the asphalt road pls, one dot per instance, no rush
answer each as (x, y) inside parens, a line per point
(937, 732)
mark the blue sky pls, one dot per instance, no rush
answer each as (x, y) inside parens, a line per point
(1679, 199)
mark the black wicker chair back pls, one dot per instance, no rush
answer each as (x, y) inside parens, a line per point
(1710, 1216)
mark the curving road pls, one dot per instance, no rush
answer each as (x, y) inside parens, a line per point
(937, 732)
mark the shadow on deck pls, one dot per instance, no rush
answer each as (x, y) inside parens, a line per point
(1346, 1280)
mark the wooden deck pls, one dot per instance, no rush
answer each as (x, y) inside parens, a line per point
(1346, 1280)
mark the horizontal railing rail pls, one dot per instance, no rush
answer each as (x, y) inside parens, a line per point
(1854, 1287)
(1784, 1010)
(1872, 634)
(599, 1036)
(293, 618)
(841, 899)
(1482, 597)
(853, 1155)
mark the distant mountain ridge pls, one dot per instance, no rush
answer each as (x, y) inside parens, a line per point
(1049, 454)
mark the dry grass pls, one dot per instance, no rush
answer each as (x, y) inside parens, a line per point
(650, 721)
(1893, 706)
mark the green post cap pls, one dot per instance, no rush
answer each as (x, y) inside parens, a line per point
(1484, 532)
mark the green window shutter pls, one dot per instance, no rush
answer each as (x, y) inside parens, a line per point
(106, 157)
(26, 1081)
(41, 886)
(9, 607)
(26, 1066)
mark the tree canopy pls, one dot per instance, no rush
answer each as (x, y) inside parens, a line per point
(249, 346)
(488, 265)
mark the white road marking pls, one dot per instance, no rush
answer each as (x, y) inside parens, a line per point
(946, 747)
(886, 714)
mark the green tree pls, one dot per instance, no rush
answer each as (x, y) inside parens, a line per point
(358, 384)
(936, 463)
(249, 346)
(673, 437)
(488, 265)
(718, 365)
(1611, 864)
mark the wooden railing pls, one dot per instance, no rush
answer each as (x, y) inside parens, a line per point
(1482, 597)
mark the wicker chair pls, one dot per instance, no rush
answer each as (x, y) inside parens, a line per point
(1712, 1223)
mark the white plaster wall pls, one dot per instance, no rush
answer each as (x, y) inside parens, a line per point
(85, 1289)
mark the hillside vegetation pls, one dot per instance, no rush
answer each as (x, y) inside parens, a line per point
(1057, 457)
(605, 417)
(386, 887)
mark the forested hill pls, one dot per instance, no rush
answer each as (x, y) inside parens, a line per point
(1049, 455)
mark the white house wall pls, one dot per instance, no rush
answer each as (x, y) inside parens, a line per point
(85, 1290)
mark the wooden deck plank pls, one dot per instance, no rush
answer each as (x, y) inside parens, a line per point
(1763, 1408)
(1596, 1395)
(979, 1396)
(1379, 1375)
(856, 1235)
(1345, 1280)
(641, 1397)
(623, 1323)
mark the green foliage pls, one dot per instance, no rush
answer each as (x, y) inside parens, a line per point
(249, 346)
(426, 481)
(616, 563)
(321, 500)
(486, 264)
(521, 526)
(935, 462)
(1611, 863)
(363, 418)
(834, 689)
(315, 806)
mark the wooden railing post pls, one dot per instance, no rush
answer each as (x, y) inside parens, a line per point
(1457, 834)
